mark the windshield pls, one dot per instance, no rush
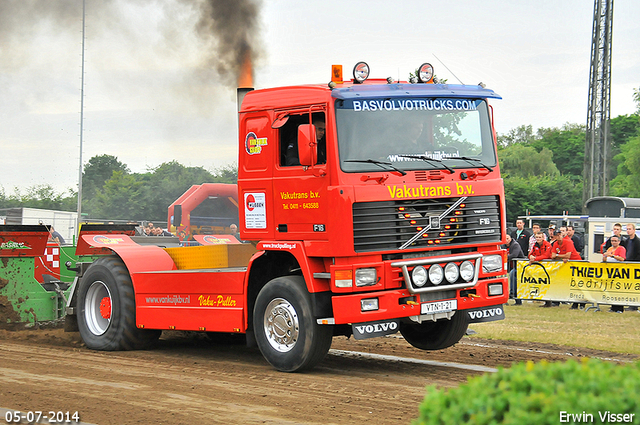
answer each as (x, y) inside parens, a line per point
(414, 133)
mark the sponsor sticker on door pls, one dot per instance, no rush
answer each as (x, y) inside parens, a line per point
(255, 211)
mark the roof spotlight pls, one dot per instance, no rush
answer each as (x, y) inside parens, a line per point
(360, 72)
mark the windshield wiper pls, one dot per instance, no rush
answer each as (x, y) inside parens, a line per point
(469, 159)
(427, 159)
(380, 164)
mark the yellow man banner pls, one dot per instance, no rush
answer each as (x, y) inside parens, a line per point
(579, 281)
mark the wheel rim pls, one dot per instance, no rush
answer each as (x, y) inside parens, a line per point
(97, 308)
(281, 325)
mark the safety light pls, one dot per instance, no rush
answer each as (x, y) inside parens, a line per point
(436, 274)
(451, 272)
(336, 73)
(466, 270)
(360, 72)
(344, 278)
(425, 73)
(419, 276)
(413, 222)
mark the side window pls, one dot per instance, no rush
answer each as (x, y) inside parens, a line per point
(289, 138)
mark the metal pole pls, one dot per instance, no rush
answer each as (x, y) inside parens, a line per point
(81, 125)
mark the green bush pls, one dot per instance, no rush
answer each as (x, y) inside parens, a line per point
(529, 393)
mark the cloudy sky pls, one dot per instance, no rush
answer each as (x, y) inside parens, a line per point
(159, 74)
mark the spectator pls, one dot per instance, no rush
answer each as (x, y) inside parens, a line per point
(550, 232)
(617, 231)
(633, 243)
(535, 228)
(541, 250)
(55, 236)
(576, 239)
(616, 252)
(521, 236)
(147, 230)
(515, 251)
(633, 249)
(563, 249)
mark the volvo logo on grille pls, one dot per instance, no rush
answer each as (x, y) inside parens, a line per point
(434, 222)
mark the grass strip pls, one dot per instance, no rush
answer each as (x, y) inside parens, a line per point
(600, 330)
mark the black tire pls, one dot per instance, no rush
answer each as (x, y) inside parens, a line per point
(298, 343)
(436, 335)
(107, 283)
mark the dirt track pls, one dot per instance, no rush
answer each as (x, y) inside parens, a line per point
(188, 379)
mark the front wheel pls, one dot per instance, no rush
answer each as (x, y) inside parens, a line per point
(107, 310)
(436, 335)
(285, 329)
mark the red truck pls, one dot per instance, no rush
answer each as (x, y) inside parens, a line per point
(365, 207)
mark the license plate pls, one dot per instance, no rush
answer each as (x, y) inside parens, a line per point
(439, 307)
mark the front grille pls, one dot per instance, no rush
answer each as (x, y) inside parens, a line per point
(388, 225)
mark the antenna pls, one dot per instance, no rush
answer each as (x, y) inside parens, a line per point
(448, 69)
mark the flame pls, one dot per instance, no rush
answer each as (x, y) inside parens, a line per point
(245, 79)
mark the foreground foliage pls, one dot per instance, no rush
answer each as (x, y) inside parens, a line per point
(529, 393)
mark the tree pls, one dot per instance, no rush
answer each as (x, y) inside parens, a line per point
(166, 183)
(519, 135)
(121, 198)
(97, 171)
(567, 144)
(627, 182)
(41, 196)
(518, 160)
(542, 195)
(636, 98)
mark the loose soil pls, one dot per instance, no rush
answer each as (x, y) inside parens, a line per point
(188, 379)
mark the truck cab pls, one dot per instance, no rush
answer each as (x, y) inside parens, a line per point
(397, 210)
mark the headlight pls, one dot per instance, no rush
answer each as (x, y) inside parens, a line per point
(451, 272)
(366, 277)
(419, 276)
(436, 274)
(492, 263)
(466, 270)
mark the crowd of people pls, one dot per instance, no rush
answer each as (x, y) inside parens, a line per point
(150, 229)
(564, 244)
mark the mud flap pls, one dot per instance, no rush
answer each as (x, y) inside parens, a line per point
(486, 314)
(375, 329)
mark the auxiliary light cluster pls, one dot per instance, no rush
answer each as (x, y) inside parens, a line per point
(436, 274)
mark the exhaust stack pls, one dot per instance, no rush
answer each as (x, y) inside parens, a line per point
(245, 79)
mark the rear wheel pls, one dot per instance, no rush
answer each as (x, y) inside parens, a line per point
(285, 329)
(435, 335)
(107, 310)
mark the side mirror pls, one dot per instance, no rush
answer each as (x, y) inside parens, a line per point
(307, 145)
